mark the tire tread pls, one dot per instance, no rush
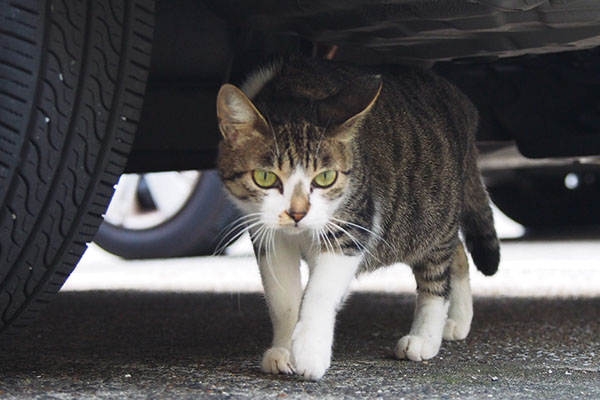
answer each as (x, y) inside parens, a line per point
(52, 200)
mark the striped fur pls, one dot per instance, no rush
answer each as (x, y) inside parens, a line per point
(402, 145)
(412, 165)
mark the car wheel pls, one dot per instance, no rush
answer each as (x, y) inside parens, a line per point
(548, 198)
(168, 214)
(72, 79)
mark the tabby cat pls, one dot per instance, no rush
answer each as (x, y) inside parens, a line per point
(352, 169)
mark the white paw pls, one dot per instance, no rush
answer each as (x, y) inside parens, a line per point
(276, 360)
(311, 355)
(416, 348)
(456, 329)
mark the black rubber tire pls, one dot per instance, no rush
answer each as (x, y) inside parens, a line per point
(539, 200)
(197, 229)
(72, 79)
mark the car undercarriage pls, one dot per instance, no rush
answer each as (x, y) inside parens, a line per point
(531, 67)
(92, 89)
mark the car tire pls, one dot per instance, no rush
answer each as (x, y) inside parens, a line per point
(72, 80)
(203, 225)
(540, 199)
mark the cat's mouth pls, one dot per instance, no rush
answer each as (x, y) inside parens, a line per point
(293, 228)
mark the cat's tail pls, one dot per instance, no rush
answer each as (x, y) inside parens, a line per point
(477, 223)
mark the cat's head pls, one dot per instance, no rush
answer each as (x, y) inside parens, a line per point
(291, 165)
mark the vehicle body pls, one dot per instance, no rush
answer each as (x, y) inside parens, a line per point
(532, 67)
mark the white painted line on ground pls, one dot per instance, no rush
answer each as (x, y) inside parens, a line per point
(548, 269)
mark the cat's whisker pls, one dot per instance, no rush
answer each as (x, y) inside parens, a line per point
(312, 238)
(356, 226)
(238, 221)
(221, 247)
(241, 218)
(225, 242)
(322, 234)
(273, 233)
(259, 238)
(378, 236)
(270, 249)
(360, 246)
(335, 239)
(320, 239)
(328, 243)
(316, 240)
(352, 237)
(258, 241)
(232, 230)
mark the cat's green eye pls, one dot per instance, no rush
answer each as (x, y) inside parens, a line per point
(325, 179)
(264, 179)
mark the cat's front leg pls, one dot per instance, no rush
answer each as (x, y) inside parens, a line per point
(312, 340)
(280, 274)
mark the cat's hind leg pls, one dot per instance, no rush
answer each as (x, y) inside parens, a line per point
(460, 313)
(280, 273)
(433, 289)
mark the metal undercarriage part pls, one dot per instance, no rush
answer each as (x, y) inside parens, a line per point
(428, 30)
(532, 67)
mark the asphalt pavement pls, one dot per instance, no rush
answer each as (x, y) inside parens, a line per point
(535, 335)
(194, 345)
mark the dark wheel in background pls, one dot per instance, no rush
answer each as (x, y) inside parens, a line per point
(72, 80)
(548, 198)
(167, 214)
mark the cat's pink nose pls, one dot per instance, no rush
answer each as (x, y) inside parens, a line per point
(297, 215)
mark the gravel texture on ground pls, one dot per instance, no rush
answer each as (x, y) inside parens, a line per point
(114, 344)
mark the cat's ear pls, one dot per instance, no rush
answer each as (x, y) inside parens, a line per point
(345, 110)
(238, 117)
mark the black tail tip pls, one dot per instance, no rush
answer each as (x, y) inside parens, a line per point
(486, 260)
